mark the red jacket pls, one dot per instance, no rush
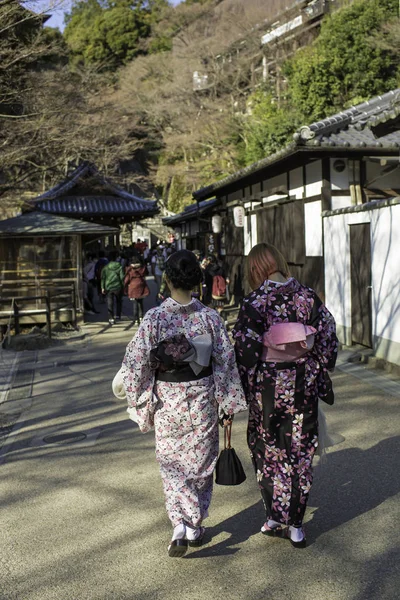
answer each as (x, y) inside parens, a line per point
(135, 282)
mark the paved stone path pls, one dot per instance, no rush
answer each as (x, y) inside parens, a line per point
(83, 518)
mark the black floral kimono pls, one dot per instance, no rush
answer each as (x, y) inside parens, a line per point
(283, 396)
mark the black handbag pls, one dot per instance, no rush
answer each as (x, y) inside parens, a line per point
(229, 470)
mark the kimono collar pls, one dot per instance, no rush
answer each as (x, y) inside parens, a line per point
(289, 286)
(173, 306)
(277, 283)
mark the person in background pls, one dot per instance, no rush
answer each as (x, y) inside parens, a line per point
(122, 259)
(89, 280)
(236, 282)
(112, 286)
(197, 292)
(136, 287)
(216, 284)
(100, 264)
(180, 375)
(205, 295)
(285, 342)
(158, 265)
(141, 246)
(146, 253)
(164, 292)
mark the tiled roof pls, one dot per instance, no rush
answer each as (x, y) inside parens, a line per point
(95, 205)
(119, 202)
(355, 129)
(41, 223)
(190, 212)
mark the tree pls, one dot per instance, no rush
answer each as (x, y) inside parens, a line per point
(200, 130)
(51, 118)
(108, 36)
(388, 38)
(112, 33)
(268, 127)
(342, 66)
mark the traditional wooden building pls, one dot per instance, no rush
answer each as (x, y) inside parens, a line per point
(328, 201)
(42, 250)
(41, 261)
(86, 194)
(193, 228)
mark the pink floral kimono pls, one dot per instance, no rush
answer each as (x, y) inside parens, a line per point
(180, 374)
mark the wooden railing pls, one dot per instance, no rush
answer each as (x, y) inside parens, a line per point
(48, 303)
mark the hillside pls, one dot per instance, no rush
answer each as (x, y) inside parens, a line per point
(167, 100)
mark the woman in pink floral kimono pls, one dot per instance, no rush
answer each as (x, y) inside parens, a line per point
(180, 376)
(285, 343)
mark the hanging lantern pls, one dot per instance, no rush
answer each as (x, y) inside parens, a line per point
(216, 223)
(238, 216)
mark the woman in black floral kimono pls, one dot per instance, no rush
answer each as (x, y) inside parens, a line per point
(285, 342)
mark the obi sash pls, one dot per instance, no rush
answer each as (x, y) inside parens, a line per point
(183, 374)
(183, 359)
(286, 342)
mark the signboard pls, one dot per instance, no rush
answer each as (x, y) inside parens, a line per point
(238, 216)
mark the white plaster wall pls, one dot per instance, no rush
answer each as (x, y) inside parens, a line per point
(374, 170)
(250, 233)
(313, 227)
(340, 202)
(296, 187)
(313, 179)
(269, 184)
(339, 181)
(254, 239)
(247, 234)
(386, 273)
(385, 265)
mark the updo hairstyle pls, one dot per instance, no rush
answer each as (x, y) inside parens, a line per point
(183, 270)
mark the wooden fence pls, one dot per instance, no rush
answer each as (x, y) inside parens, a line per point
(55, 305)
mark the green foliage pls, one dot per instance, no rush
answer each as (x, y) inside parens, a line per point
(268, 128)
(179, 196)
(79, 28)
(115, 36)
(161, 43)
(343, 64)
(109, 35)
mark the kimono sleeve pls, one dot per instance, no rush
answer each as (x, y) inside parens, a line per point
(228, 388)
(137, 374)
(248, 335)
(326, 342)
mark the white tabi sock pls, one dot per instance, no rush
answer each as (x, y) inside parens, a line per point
(179, 532)
(192, 533)
(296, 534)
(273, 524)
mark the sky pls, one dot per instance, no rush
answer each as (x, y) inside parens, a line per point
(62, 6)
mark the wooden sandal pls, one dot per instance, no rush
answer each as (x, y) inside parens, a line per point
(177, 548)
(199, 540)
(271, 531)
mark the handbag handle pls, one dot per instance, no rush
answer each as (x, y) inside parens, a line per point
(227, 436)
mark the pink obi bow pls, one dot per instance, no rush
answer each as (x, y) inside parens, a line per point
(285, 342)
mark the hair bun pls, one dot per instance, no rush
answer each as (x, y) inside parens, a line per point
(183, 270)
